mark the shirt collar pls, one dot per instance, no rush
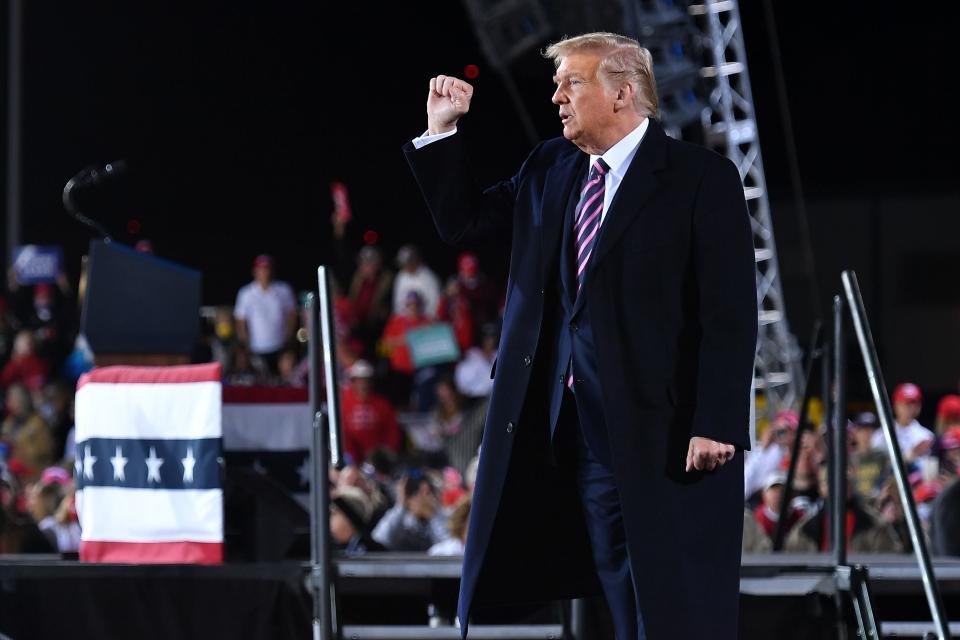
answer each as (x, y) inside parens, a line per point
(618, 156)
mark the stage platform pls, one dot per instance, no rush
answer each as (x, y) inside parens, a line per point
(784, 596)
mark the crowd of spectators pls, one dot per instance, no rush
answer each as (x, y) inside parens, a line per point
(40, 361)
(875, 520)
(412, 425)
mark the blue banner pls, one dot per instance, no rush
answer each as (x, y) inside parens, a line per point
(35, 264)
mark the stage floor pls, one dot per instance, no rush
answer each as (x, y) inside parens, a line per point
(784, 595)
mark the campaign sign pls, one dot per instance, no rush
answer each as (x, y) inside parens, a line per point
(433, 344)
(33, 263)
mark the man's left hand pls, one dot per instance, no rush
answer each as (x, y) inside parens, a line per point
(705, 454)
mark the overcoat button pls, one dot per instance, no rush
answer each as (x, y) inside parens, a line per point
(574, 326)
(509, 427)
(527, 360)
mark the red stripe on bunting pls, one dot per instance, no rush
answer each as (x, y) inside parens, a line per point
(152, 375)
(151, 552)
(265, 395)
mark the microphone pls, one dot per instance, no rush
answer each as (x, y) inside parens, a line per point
(95, 175)
(89, 177)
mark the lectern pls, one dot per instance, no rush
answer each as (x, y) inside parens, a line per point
(138, 309)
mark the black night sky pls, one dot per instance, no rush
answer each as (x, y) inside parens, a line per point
(235, 117)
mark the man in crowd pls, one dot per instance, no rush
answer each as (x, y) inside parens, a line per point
(350, 515)
(369, 420)
(266, 314)
(869, 467)
(369, 296)
(767, 513)
(774, 448)
(474, 374)
(414, 275)
(916, 441)
(477, 288)
(416, 522)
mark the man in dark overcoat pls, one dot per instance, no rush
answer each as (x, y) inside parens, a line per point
(612, 456)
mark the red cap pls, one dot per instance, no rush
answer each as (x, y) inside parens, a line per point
(787, 418)
(926, 491)
(56, 475)
(907, 392)
(263, 260)
(950, 439)
(949, 408)
(468, 263)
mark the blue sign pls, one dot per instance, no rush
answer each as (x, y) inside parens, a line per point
(33, 263)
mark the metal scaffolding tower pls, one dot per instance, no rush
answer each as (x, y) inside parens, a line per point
(510, 29)
(730, 128)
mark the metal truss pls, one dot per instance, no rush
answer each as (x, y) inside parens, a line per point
(730, 128)
(682, 38)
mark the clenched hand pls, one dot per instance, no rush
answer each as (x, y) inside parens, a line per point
(448, 100)
(705, 454)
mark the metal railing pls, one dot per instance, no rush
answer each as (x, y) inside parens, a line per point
(885, 413)
(324, 453)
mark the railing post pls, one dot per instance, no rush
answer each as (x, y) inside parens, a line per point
(878, 388)
(838, 461)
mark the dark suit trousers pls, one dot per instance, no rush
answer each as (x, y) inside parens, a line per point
(600, 501)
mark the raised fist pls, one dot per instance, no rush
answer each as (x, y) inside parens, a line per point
(448, 99)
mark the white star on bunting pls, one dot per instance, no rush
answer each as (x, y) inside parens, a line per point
(188, 463)
(153, 466)
(118, 462)
(88, 461)
(304, 471)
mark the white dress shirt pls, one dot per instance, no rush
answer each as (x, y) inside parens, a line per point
(617, 157)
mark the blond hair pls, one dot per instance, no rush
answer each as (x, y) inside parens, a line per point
(457, 522)
(624, 61)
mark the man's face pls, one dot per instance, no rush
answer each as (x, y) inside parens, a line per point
(361, 386)
(586, 105)
(906, 412)
(413, 309)
(423, 504)
(263, 275)
(772, 497)
(783, 433)
(370, 267)
(861, 438)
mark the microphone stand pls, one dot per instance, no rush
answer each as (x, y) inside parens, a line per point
(89, 176)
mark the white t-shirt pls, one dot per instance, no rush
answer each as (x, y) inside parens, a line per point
(448, 547)
(265, 312)
(760, 463)
(472, 374)
(908, 437)
(424, 282)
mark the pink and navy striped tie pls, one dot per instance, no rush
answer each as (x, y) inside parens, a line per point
(586, 225)
(587, 218)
